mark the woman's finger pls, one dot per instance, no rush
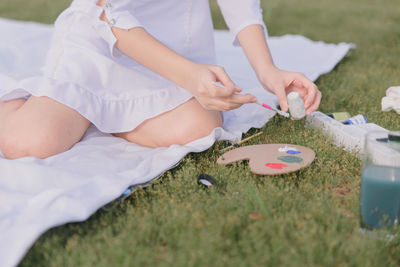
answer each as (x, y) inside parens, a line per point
(312, 90)
(314, 106)
(241, 99)
(216, 104)
(220, 90)
(222, 105)
(282, 99)
(231, 102)
(238, 90)
(297, 86)
(223, 77)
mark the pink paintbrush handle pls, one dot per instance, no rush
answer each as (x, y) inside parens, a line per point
(266, 106)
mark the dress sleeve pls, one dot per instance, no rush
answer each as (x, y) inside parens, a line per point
(119, 13)
(239, 14)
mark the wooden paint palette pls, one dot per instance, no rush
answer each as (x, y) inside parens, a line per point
(271, 159)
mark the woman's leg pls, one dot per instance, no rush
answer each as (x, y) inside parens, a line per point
(39, 127)
(187, 122)
(9, 107)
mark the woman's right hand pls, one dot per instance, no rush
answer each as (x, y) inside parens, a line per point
(198, 79)
(213, 97)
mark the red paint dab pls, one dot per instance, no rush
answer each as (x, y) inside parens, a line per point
(256, 216)
(278, 166)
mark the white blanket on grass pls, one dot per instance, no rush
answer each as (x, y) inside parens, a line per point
(36, 194)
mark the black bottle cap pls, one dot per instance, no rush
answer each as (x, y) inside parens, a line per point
(394, 136)
(206, 180)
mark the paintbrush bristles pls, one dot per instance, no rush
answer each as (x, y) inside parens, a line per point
(282, 113)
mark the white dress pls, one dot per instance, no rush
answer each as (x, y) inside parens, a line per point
(85, 71)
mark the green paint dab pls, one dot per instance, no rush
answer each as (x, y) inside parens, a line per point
(290, 159)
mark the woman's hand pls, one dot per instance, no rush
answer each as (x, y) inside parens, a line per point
(282, 83)
(213, 97)
(198, 79)
(253, 42)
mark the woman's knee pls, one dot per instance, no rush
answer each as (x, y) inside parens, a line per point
(184, 124)
(178, 133)
(196, 128)
(189, 129)
(18, 142)
(41, 128)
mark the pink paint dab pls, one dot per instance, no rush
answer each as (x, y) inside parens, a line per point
(278, 166)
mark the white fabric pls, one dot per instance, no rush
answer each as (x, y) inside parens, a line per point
(36, 195)
(85, 71)
(239, 14)
(392, 99)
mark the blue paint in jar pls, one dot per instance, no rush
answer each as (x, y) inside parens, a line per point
(380, 196)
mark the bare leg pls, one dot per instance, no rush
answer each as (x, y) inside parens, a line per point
(39, 127)
(187, 122)
(9, 107)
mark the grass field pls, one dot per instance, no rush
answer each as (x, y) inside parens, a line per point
(311, 217)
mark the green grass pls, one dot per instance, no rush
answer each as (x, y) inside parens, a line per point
(311, 217)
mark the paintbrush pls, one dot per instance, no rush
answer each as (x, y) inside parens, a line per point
(280, 112)
(237, 143)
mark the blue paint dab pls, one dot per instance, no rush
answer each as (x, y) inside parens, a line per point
(293, 152)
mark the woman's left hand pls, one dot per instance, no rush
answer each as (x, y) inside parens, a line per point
(282, 83)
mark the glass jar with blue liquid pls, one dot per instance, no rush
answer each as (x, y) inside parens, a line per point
(380, 184)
